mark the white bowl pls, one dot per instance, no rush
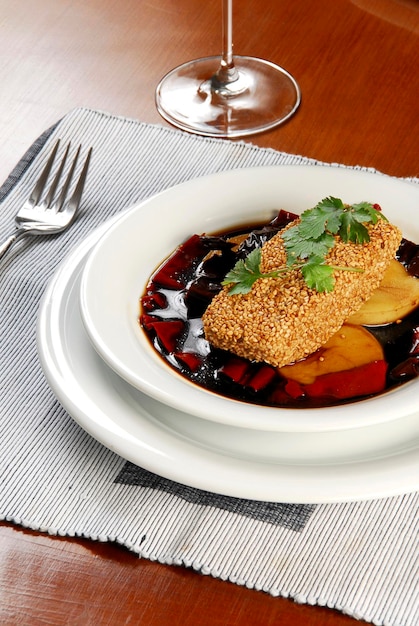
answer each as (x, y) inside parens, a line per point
(122, 262)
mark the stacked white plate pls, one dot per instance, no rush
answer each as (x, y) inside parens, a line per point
(104, 372)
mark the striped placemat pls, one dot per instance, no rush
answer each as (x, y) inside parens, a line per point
(359, 557)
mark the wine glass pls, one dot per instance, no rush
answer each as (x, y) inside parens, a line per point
(231, 96)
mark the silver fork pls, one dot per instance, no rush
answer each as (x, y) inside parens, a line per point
(50, 216)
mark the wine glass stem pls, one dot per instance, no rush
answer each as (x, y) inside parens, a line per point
(227, 72)
(227, 33)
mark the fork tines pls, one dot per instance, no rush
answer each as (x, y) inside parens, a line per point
(41, 182)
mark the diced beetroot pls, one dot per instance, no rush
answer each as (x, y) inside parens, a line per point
(147, 321)
(295, 390)
(167, 331)
(236, 369)
(249, 375)
(360, 381)
(170, 273)
(279, 396)
(283, 218)
(191, 360)
(408, 256)
(153, 301)
(168, 276)
(407, 369)
(265, 375)
(193, 247)
(407, 250)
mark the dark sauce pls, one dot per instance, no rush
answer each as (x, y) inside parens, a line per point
(181, 289)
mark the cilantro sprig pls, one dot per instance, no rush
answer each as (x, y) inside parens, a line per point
(308, 243)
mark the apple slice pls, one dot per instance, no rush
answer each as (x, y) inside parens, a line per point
(396, 297)
(349, 348)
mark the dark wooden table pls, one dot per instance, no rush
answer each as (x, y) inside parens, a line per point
(357, 65)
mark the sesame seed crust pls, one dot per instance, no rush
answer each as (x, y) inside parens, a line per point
(281, 320)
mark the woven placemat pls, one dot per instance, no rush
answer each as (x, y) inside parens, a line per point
(359, 557)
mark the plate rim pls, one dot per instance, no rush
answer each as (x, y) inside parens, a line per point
(249, 416)
(387, 474)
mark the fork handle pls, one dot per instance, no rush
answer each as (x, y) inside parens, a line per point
(10, 241)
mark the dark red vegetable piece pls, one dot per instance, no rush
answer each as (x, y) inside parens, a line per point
(191, 360)
(170, 274)
(147, 321)
(283, 218)
(279, 397)
(167, 331)
(408, 255)
(360, 381)
(262, 378)
(250, 375)
(153, 301)
(236, 369)
(406, 370)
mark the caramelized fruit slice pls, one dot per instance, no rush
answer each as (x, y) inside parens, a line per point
(349, 348)
(396, 297)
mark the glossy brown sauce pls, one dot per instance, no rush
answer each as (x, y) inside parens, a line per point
(181, 289)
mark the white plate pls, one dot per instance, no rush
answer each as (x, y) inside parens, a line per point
(193, 451)
(121, 263)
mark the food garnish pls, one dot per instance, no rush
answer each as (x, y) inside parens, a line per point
(308, 243)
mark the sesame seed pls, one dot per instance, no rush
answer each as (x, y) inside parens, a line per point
(281, 320)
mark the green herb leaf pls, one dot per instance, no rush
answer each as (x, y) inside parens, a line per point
(324, 217)
(252, 261)
(366, 212)
(244, 273)
(352, 230)
(308, 243)
(318, 275)
(299, 247)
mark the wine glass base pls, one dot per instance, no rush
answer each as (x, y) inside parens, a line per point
(263, 97)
